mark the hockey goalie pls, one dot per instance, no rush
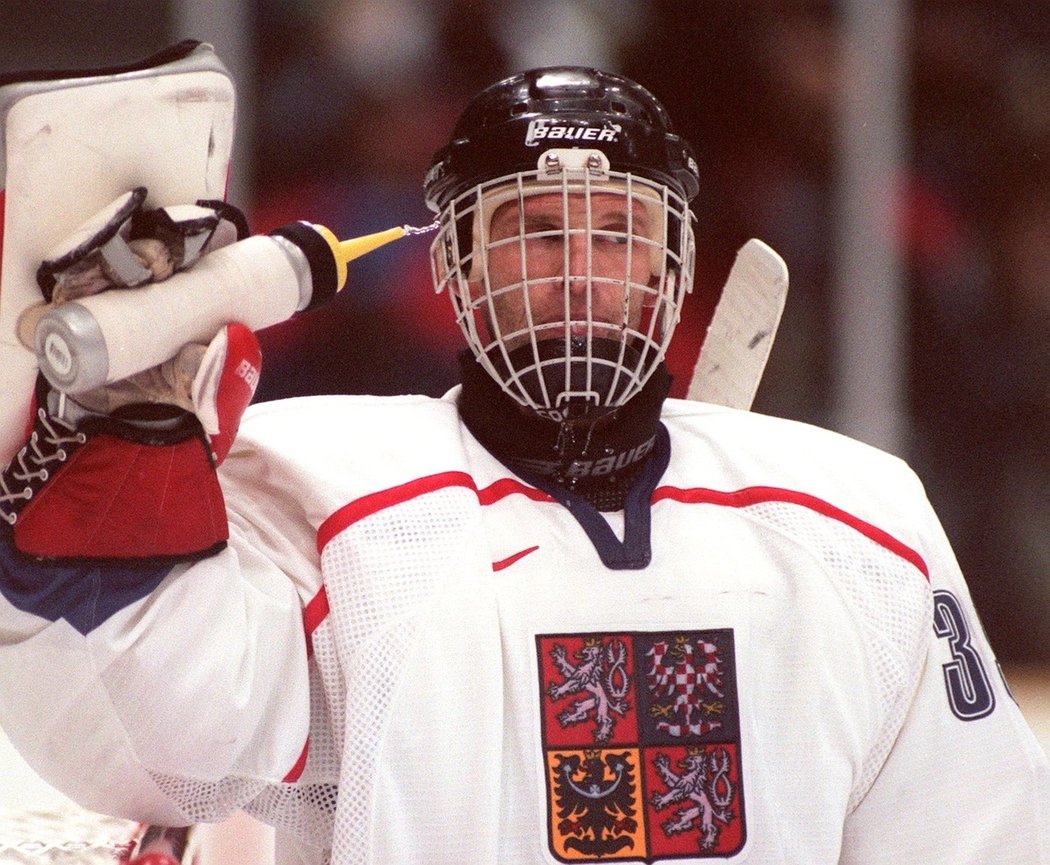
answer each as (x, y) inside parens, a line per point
(554, 616)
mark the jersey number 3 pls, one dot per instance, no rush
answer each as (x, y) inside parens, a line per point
(970, 693)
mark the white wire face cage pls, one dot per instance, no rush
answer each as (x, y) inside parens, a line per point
(567, 283)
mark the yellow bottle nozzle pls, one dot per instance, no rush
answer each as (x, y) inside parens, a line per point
(355, 247)
(345, 251)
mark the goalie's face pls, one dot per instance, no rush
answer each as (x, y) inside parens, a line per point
(566, 287)
(567, 266)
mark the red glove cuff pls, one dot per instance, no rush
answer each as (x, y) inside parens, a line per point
(115, 498)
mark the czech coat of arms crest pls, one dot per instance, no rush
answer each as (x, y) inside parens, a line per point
(641, 737)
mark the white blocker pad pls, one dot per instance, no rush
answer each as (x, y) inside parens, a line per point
(74, 141)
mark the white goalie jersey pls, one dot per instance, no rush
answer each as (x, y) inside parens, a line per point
(409, 654)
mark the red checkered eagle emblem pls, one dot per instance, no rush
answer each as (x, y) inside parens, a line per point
(686, 678)
(641, 745)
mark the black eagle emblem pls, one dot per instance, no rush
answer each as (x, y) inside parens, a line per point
(593, 797)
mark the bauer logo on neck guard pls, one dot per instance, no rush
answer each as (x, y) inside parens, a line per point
(545, 129)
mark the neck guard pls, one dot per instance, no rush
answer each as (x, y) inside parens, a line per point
(596, 459)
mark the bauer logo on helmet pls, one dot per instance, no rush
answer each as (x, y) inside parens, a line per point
(545, 129)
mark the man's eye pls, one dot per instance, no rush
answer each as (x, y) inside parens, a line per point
(544, 228)
(614, 237)
(549, 235)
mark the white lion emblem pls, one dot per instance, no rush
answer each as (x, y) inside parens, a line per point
(705, 788)
(602, 674)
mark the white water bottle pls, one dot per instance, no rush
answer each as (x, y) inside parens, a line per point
(259, 281)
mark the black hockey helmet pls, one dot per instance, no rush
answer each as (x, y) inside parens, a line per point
(600, 143)
(507, 125)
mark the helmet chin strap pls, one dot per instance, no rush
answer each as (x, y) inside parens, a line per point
(582, 378)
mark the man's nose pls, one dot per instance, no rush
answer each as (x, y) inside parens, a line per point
(577, 254)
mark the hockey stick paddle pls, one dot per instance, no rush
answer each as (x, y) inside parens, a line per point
(740, 337)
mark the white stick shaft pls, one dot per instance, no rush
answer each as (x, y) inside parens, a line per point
(740, 337)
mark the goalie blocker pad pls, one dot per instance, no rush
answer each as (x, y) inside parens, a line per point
(70, 143)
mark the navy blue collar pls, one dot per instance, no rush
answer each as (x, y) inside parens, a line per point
(635, 551)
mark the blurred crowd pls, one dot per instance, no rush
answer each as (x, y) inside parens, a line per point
(350, 98)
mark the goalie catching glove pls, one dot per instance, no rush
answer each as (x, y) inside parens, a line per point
(127, 471)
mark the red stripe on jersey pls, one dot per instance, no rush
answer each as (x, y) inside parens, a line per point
(295, 773)
(508, 487)
(757, 495)
(375, 502)
(317, 609)
(315, 612)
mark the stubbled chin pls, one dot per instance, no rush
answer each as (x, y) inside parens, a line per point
(577, 330)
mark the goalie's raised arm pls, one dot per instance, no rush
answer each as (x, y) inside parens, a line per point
(115, 494)
(113, 179)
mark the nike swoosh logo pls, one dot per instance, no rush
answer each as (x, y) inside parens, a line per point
(510, 560)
